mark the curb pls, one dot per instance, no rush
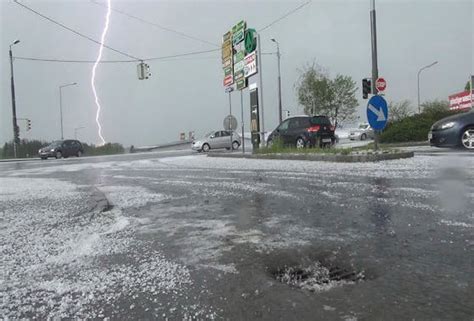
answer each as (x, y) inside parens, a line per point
(323, 158)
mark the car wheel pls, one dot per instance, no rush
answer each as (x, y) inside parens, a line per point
(235, 145)
(467, 138)
(79, 154)
(206, 148)
(363, 137)
(44, 158)
(300, 143)
(59, 155)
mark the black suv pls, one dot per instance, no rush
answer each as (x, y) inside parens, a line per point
(304, 131)
(62, 148)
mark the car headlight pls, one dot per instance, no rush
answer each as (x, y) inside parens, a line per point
(52, 150)
(448, 125)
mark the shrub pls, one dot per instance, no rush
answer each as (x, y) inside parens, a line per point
(415, 128)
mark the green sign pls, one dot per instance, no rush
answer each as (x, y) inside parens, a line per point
(250, 40)
(239, 75)
(227, 71)
(238, 32)
(241, 84)
(241, 25)
(239, 56)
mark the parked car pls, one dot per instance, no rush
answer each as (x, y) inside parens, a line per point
(217, 139)
(454, 131)
(62, 148)
(362, 133)
(304, 131)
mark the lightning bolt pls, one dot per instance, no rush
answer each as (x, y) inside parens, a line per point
(94, 68)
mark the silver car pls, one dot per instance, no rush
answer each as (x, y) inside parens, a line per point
(217, 139)
(362, 133)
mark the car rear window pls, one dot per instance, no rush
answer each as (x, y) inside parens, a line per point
(320, 120)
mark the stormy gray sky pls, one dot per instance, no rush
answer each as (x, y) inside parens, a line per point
(187, 94)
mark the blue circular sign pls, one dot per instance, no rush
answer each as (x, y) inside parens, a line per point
(377, 112)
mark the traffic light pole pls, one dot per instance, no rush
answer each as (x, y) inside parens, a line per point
(375, 70)
(16, 134)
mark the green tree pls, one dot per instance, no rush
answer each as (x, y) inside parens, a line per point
(319, 94)
(344, 102)
(468, 86)
(399, 110)
(435, 107)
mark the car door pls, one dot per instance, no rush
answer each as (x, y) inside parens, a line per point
(65, 148)
(214, 140)
(226, 141)
(281, 132)
(294, 130)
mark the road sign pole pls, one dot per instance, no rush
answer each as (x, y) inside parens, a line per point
(375, 71)
(230, 113)
(259, 62)
(242, 120)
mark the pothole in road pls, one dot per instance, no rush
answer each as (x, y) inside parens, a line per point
(316, 277)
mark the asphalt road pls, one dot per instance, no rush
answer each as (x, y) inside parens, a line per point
(175, 235)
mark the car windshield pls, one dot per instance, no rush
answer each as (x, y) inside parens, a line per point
(55, 144)
(209, 134)
(363, 126)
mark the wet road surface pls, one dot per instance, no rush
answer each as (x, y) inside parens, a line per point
(179, 236)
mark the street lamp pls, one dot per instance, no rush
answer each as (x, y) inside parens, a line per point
(419, 72)
(279, 80)
(75, 131)
(16, 130)
(61, 105)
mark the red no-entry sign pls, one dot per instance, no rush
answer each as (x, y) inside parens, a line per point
(380, 84)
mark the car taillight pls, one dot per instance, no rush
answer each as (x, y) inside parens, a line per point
(314, 129)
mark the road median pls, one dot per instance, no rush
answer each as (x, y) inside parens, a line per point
(356, 157)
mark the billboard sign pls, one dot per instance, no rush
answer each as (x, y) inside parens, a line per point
(461, 100)
(228, 80)
(250, 64)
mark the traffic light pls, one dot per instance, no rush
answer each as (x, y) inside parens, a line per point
(366, 87)
(143, 71)
(28, 125)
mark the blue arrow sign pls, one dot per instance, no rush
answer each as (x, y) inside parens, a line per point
(377, 112)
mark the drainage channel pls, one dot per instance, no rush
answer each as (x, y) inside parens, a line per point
(317, 277)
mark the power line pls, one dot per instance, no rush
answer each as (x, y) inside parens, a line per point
(285, 15)
(157, 25)
(118, 61)
(74, 31)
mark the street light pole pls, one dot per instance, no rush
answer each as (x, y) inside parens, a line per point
(75, 131)
(16, 130)
(280, 110)
(61, 105)
(419, 72)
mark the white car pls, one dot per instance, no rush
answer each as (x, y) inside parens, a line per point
(217, 139)
(362, 133)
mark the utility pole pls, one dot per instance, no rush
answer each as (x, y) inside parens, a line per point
(375, 70)
(280, 108)
(259, 61)
(61, 105)
(242, 120)
(16, 130)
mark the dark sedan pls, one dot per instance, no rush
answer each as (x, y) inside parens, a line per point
(62, 148)
(304, 131)
(454, 131)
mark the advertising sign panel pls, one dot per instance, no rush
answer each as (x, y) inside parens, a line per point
(250, 64)
(461, 100)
